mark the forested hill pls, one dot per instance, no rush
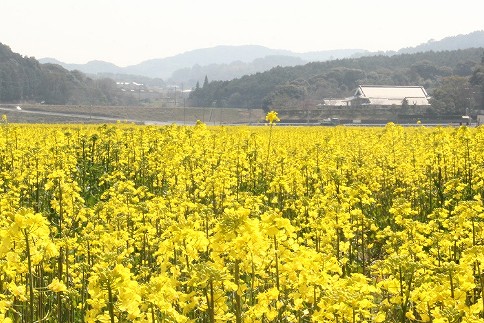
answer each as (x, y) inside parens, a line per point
(299, 86)
(24, 79)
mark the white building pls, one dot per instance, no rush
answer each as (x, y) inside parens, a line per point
(335, 102)
(382, 95)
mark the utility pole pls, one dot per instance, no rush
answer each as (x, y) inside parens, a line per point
(175, 96)
(184, 108)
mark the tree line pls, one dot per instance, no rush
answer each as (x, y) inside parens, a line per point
(24, 79)
(454, 80)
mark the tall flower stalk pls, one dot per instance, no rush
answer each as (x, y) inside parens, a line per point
(272, 118)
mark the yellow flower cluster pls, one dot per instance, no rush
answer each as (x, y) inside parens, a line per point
(125, 223)
(272, 117)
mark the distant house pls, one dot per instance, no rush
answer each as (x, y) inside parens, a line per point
(335, 102)
(381, 95)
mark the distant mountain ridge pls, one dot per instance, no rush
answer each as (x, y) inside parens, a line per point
(92, 67)
(228, 62)
(472, 40)
(219, 55)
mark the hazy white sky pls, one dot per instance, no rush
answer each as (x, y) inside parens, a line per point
(129, 32)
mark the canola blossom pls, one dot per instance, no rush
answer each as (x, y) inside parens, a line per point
(127, 223)
(272, 117)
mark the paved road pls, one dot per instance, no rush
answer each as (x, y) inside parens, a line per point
(83, 116)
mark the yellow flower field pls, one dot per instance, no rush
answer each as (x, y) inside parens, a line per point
(126, 223)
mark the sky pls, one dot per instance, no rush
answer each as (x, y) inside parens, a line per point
(129, 32)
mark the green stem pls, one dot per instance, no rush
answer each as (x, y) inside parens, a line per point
(110, 302)
(402, 318)
(30, 284)
(212, 303)
(451, 284)
(277, 263)
(481, 281)
(238, 302)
